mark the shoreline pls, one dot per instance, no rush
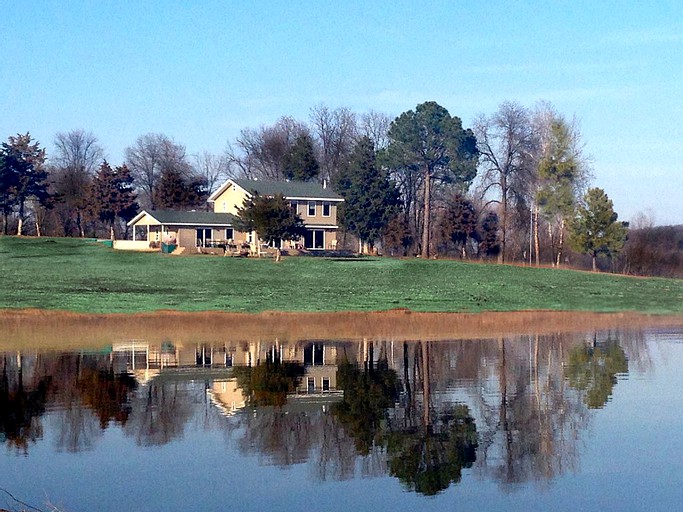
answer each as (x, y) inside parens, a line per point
(55, 330)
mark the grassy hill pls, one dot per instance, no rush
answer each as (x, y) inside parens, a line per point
(78, 275)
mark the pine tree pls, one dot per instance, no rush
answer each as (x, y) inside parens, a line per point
(371, 200)
(113, 195)
(23, 175)
(595, 230)
(300, 162)
(459, 223)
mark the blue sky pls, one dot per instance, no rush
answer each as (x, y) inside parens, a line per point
(200, 72)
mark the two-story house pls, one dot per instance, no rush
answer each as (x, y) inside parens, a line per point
(316, 205)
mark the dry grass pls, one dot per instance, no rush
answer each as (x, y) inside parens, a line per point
(52, 330)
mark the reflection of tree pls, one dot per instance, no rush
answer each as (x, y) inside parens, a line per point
(593, 370)
(368, 394)
(428, 459)
(159, 414)
(20, 409)
(269, 383)
(107, 394)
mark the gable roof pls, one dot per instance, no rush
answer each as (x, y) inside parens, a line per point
(289, 189)
(176, 218)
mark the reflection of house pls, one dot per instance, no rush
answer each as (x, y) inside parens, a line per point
(315, 204)
(227, 396)
(147, 362)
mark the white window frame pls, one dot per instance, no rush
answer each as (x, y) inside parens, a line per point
(311, 204)
(327, 205)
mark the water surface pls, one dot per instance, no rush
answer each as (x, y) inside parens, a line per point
(572, 421)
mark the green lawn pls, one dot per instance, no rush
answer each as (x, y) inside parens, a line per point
(77, 275)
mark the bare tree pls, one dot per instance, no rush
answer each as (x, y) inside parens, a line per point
(507, 143)
(336, 132)
(262, 153)
(214, 169)
(77, 156)
(149, 157)
(376, 126)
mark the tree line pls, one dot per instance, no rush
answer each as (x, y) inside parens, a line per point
(513, 187)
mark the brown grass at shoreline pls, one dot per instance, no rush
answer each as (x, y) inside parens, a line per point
(53, 330)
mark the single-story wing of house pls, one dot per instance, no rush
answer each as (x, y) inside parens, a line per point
(315, 204)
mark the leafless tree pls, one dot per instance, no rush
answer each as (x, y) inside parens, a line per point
(336, 132)
(213, 168)
(77, 156)
(262, 153)
(376, 126)
(151, 154)
(507, 143)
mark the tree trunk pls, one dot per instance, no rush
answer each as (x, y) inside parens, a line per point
(425, 222)
(595, 266)
(536, 240)
(425, 384)
(111, 231)
(503, 218)
(37, 228)
(20, 224)
(560, 243)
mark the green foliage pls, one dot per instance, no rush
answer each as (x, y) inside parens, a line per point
(300, 162)
(428, 461)
(593, 371)
(371, 200)
(272, 217)
(432, 144)
(431, 139)
(113, 194)
(559, 172)
(489, 244)
(459, 223)
(368, 394)
(269, 383)
(595, 229)
(22, 174)
(175, 190)
(73, 274)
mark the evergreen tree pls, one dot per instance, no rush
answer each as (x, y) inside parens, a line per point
(272, 217)
(595, 230)
(459, 223)
(113, 195)
(23, 175)
(431, 140)
(300, 162)
(489, 245)
(560, 173)
(371, 200)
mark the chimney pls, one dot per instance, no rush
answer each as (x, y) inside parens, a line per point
(324, 184)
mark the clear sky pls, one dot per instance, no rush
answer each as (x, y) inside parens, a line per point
(200, 72)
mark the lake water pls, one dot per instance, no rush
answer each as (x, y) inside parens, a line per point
(590, 421)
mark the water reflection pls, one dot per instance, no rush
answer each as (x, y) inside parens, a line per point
(511, 410)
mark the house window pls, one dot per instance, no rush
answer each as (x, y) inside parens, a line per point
(294, 206)
(311, 208)
(326, 384)
(311, 385)
(314, 239)
(203, 236)
(229, 234)
(326, 209)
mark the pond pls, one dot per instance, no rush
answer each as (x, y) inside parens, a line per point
(565, 421)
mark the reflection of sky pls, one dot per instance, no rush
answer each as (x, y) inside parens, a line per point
(630, 460)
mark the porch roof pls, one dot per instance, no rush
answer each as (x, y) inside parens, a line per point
(176, 218)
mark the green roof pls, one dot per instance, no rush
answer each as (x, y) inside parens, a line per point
(193, 218)
(289, 189)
